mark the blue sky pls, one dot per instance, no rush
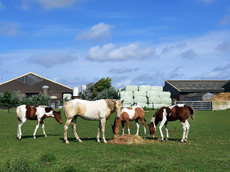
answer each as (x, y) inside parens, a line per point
(139, 42)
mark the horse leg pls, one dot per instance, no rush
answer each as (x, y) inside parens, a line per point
(36, 128)
(184, 131)
(167, 131)
(43, 129)
(160, 128)
(143, 124)
(123, 128)
(98, 132)
(66, 129)
(19, 129)
(103, 129)
(138, 127)
(127, 121)
(73, 123)
(187, 131)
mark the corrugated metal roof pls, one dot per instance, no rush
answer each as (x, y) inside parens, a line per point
(198, 85)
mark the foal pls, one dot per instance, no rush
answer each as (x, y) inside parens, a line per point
(177, 112)
(129, 114)
(39, 113)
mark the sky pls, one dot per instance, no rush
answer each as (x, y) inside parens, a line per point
(134, 42)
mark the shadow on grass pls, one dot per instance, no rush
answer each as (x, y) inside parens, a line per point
(37, 136)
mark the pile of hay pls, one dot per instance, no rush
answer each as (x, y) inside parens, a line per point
(221, 97)
(129, 140)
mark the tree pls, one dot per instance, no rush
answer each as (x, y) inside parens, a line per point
(36, 100)
(101, 85)
(102, 89)
(9, 100)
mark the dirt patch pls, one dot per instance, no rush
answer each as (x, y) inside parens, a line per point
(221, 97)
(130, 140)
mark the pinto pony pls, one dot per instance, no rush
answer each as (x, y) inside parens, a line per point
(39, 113)
(129, 114)
(177, 112)
(99, 110)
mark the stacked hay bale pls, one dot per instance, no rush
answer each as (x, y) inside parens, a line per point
(145, 96)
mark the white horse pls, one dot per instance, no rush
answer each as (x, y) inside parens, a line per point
(39, 113)
(99, 110)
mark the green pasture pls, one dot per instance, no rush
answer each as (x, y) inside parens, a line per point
(207, 149)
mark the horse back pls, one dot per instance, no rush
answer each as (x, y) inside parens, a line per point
(31, 112)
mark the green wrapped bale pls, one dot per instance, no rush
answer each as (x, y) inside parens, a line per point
(131, 88)
(126, 105)
(157, 88)
(152, 94)
(126, 94)
(165, 100)
(145, 88)
(165, 94)
(140, 100)
(156, 100)
(127, 100)
(139, 93)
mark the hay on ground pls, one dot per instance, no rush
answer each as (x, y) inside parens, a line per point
(129, 140)
(221, 97)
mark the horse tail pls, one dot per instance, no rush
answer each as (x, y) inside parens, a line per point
(192, 111)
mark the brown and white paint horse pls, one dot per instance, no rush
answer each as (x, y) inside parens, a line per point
(99, 110)
(129, 114)
(177, 112)
(39, 113)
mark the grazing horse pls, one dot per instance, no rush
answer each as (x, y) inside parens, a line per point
(177, 112)
(99, 110)
(129, 114)
(39, 113)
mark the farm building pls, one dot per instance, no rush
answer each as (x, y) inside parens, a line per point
(31, 83)
(182, 89)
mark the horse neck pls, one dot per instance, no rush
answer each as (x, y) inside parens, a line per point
(117, 122)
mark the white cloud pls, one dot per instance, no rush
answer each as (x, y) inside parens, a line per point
(48, 4)
(124, 83)
(52, 4)
(51, 59)
(99, 32)
(109, 52)
(10, 29)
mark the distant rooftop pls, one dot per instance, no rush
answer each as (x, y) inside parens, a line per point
(198, 85)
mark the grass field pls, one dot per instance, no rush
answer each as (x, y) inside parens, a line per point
(207, 149)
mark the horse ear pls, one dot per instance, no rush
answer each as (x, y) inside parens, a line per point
(122, 101)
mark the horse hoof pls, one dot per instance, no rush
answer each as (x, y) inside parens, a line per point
(162, 140)
(181, 141)
(80, 141)
(45, 135)
(105, 142)
(66, 142)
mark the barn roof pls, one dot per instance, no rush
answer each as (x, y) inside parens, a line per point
(33, 78)
(198, 85)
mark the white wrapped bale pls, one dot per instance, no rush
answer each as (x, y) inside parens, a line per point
(141, 104)
(156, 100)
(126, 105)
(165, 94)
(150, 106)
(139, 94)
(145, 88)
(167, 104)
(152, 94)
(127, 100)
(131, 88)
(140, 100)
(126, 94)
(157, 88)
(157, 106)
(166, 100)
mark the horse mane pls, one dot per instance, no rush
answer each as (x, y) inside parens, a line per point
(111, 104)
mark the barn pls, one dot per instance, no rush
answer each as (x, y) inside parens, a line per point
(182, 90)
(31, 84)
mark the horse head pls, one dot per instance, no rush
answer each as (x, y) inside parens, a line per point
(152, 129)
(57, 116)
(115, 128)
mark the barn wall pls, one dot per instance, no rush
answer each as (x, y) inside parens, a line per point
(174, 92)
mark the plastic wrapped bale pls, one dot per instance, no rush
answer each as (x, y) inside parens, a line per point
(140, 100)
(150, 106)
(157, 88)
(127, 100)
(141, 104)
(131, 88)
(145, 88)
(126, 94)
(156, 100)
(152, 94)
(126, 105)
(165, 100)
(139, 93)
(166, 104)
(157, 106)
(165, 94)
